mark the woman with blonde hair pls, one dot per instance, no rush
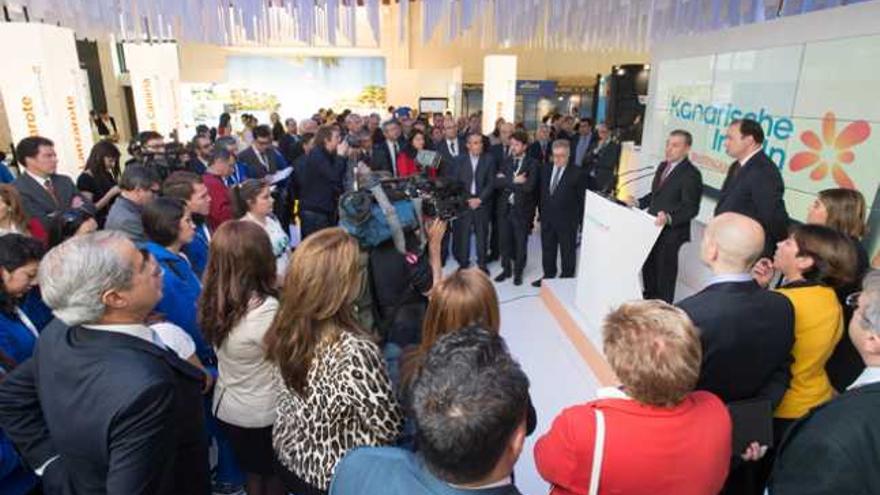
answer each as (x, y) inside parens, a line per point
(844, 210)
(334, 392)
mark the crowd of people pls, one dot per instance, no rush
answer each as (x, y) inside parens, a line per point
(152, 314)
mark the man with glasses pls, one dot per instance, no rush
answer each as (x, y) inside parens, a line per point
(833, 449)
(201, 147)
(103, 406)
(562, 203)
(139, 186)
(260, 158)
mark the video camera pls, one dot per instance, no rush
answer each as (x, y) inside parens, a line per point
(387, 208)
(164, 162)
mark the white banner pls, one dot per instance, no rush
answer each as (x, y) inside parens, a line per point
(155, 84)
(499, 89)
(41, 90)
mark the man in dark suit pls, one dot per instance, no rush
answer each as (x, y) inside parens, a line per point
(42, 191)
(385, 153)
(746, 332)
(516, 181)
(833, 449)
(562, 204)
(583, 142)
(753, 185)
(540, 148)
(450, 148)
(500, 152)
(476, 171)
(202, 148)
(290, 145)
(260, 159)
(601, 164)
(103, 406)
(675, 200)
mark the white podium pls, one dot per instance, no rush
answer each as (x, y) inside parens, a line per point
(616, 243)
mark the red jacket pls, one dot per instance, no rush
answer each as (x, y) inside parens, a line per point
(221, 204)
(648, 450)
(407, 166)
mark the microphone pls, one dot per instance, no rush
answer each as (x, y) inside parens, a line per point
(630, 181)
(637, 170)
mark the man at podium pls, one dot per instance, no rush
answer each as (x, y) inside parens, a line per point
(675, 200)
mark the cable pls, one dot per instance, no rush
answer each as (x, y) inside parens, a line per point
(517, 298)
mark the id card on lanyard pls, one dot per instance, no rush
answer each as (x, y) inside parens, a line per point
(27, 322)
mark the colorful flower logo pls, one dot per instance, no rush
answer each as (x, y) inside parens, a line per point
(832, 152)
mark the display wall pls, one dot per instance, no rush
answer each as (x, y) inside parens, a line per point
(41, 86)
(154, 69)
(813, 90)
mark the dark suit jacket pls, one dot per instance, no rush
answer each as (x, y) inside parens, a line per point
(747, 333)
(291, 148)
(601, 165)
(756, 191)
(679, 196)
(123, 415)
(196, 166)
(833, 449)
(447, 161)
(256, 169)
(564, 208)
(381, 161)
(485, 179)
(523, 194)
(541, 155)
(36, 200)
(499, 153)
(594, 140)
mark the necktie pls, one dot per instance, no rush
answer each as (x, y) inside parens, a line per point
(452, 146)
(554, 182)
(50, 188)
(734, 169)
(666, 174)
(394, 159)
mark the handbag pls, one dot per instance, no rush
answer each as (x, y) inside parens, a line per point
(598, 453)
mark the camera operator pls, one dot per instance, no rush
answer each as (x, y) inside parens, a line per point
(400, 283)
(145, 146)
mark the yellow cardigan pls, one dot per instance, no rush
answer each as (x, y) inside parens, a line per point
(818, 326)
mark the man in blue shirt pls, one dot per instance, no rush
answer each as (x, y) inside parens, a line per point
(468, 382)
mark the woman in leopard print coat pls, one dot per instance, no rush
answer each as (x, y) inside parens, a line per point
(334, 391)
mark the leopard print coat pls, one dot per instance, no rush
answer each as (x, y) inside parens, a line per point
(348, 403)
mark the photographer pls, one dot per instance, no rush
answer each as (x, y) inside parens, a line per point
(147, 145)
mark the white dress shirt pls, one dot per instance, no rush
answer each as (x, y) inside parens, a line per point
(475, 162)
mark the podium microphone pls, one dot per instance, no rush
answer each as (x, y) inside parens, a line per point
(635, 171)
(630, 181)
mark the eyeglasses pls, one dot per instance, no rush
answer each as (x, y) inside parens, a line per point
(852, 300)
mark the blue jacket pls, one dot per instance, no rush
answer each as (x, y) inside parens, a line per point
(197, 250)
(6, 176)
(180, 295)
(16, 339)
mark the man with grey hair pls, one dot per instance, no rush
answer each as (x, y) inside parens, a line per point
(833, 449)
(562, 205)
(103, 407)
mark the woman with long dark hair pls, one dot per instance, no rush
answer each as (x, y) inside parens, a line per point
(335, 394)
(406, 159)
(252, 200)
(237, 305)
(224, 127)
(22, 313)
(98, 182)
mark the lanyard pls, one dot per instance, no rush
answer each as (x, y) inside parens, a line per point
(27, 322)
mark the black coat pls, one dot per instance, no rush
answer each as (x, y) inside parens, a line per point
(255, 168)
(601, 165)
(756, 191)
(291, 147)
(833, 449)
(679, 196)
(447, 160)
(564, 208)
(542, 154)
(485, 179)
(747, 333)
(381, 160)
(320, 181)
(523, 194)
(122, 414)
(594, 140)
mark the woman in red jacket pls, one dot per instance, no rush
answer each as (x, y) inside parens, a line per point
(659, 436)
(406, 159)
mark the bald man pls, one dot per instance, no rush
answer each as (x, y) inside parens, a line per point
(746, 331)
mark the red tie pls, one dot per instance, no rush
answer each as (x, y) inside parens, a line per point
(51, 189)
(666, 174)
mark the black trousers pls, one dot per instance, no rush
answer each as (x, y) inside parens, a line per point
(660, 271)
(313, 221)
(471, 221)
(562, 240)
(494, 231)
(513, 230)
